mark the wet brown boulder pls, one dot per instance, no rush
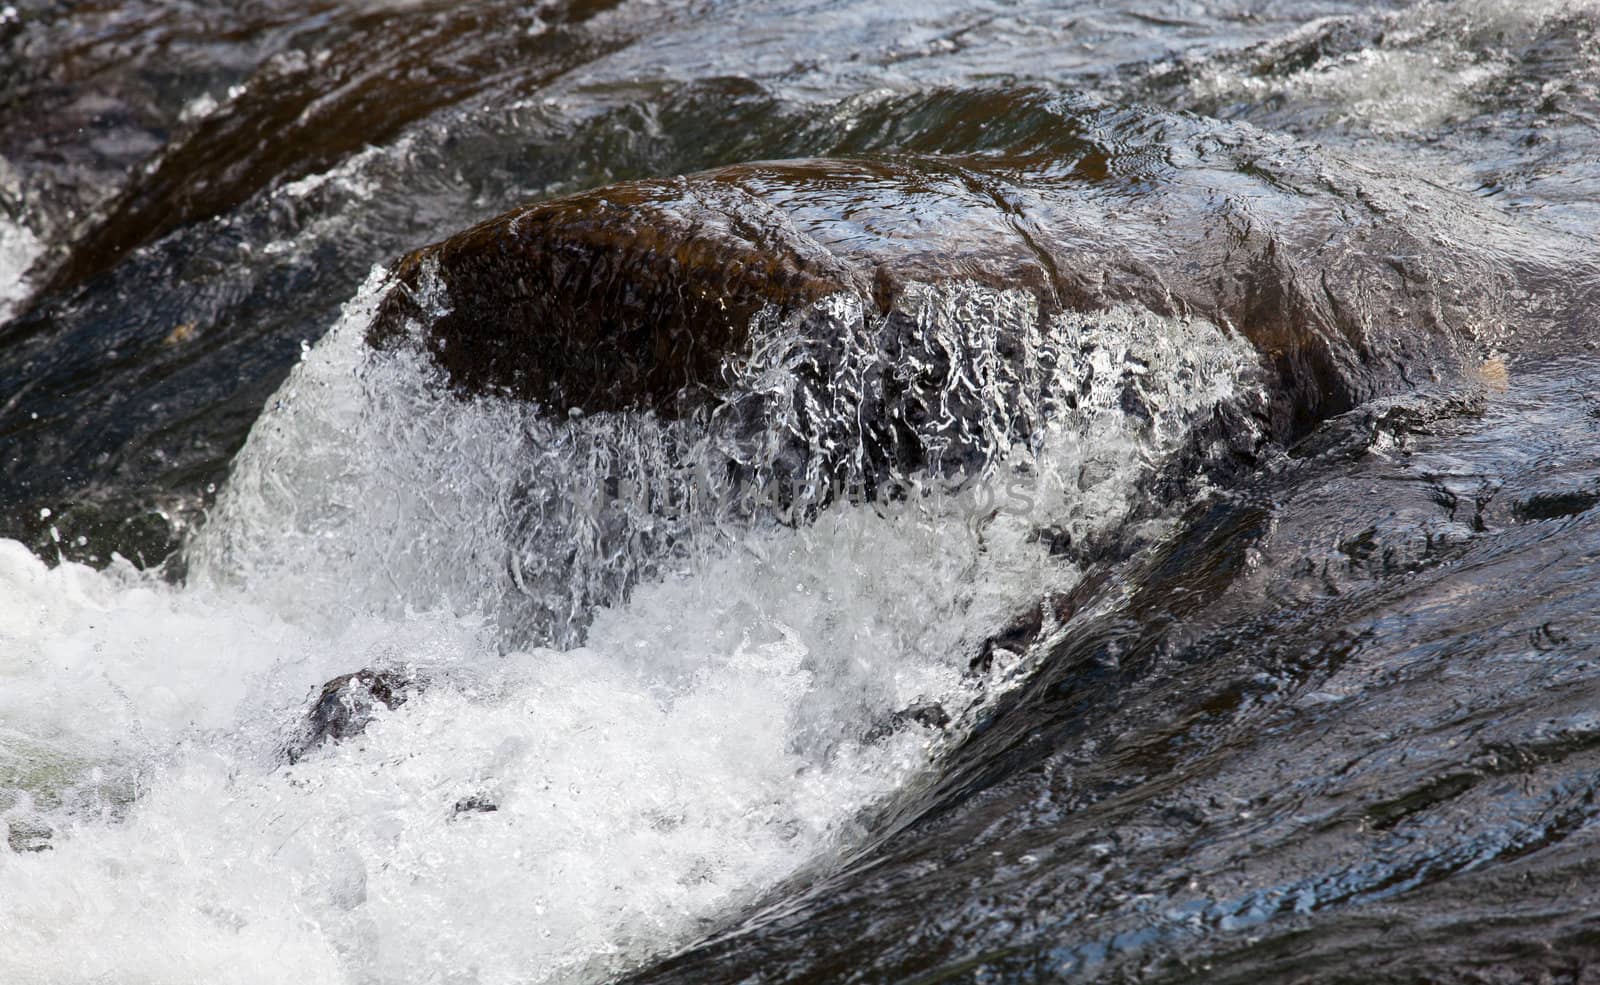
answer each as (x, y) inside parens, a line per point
(631, 295)
(638, 294)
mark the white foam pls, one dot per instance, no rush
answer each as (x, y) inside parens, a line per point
(1435, 63)
(368, 481)
(19, 248)
(702, 744)
(198, 108)
(635, 800)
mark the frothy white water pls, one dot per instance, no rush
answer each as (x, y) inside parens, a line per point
(1431, 64)
(707, 739)
(19, 248)
(644, 784)
(370, 482)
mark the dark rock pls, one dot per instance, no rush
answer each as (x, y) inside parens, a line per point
(926, 714)
(478, 803)
(28, 836)
(1015, 638)
(929, 715)
(627, 296)
(1026, 627)
(345, 707)
(1557, 503)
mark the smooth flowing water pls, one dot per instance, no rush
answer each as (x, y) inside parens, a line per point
(1080, 492)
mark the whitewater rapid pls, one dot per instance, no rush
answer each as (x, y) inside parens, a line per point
(706, 725)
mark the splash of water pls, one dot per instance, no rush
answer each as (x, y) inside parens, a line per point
(638, 712)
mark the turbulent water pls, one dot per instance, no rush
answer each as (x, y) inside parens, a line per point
(1082, 492)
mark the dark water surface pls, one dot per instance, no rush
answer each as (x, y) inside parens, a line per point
(1284, 315)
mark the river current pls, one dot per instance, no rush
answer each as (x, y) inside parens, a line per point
(739, 491)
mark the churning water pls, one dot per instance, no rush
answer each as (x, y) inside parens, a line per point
(1232, 601)
(697, 740)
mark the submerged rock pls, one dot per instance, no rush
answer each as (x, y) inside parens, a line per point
(1016, 637)
(346, 705)
(478, 803)
(925, 714)
(28, 836)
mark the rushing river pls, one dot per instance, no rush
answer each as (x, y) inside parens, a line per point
(760, 490)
